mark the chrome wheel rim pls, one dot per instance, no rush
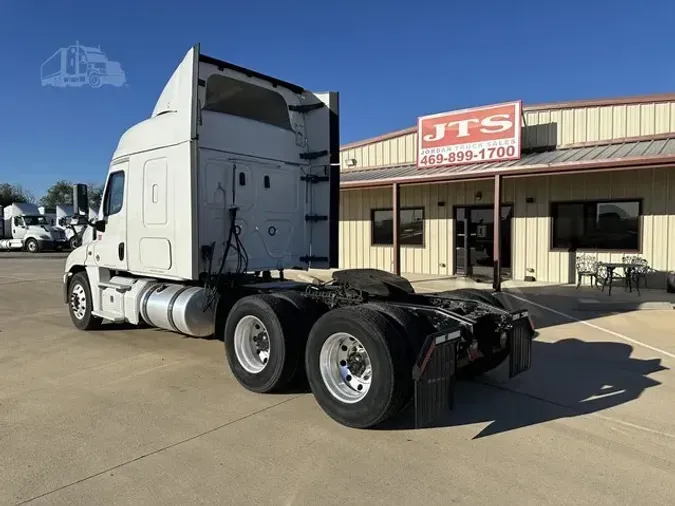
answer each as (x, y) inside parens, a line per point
(345, 367)
(31, 246)
(78, 301)
(252, 344)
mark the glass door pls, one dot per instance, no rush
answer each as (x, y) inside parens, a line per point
(481, 241)
(474, 241)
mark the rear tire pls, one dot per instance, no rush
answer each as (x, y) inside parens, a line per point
(308, 311)
(385, 368)
(415, 328)
(263, 342)
(311, 309)
(80, 303)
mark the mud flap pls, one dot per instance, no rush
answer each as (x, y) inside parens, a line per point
(434, 375)
(520, 344)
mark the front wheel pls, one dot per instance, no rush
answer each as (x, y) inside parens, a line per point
(73, 243)
(80, 303)
(32, 246)
(95, 80)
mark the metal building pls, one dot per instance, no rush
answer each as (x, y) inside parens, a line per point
(593, 176)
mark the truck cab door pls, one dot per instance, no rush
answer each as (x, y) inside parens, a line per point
(19, 228)
(110, 247)
(322, 152)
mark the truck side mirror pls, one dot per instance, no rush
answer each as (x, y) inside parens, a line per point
(99, 225)
(80, 199)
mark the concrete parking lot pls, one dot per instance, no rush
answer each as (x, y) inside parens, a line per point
(142, 416)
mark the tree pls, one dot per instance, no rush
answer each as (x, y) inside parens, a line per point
(95, 195)
(60, 193)
(10, 193)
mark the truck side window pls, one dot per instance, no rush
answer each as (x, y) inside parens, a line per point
(246, 100)
(114, 199)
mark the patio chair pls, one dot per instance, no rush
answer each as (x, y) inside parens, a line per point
(641, 268)
(587, 265)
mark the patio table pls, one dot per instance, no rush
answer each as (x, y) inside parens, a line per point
(628, 270)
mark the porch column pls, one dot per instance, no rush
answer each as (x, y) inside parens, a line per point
(497, 262)
(396, 216)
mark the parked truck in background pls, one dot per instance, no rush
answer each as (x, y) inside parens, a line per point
(232, 180)
(49, 213)
(25, 228)
(73, 225)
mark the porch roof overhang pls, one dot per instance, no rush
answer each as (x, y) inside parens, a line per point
(635, 154)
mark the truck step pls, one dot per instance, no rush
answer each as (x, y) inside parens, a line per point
(114, 286)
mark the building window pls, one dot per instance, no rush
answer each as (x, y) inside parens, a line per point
(412, 226)
(246, 100)
(600, 225)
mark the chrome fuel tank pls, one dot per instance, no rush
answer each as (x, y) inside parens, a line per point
(178, 308)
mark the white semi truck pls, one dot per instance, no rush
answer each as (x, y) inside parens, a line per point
(73, 225)
(232, 179)
(49, 213)
(25, 228)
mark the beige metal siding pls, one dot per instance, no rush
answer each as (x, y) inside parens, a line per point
(531, 224)
(394, 151)
(561, 127)
(437, 255)
(597, 124)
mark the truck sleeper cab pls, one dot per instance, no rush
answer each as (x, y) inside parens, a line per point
(234, 176)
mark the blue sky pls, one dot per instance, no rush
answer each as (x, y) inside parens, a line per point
(391, 61)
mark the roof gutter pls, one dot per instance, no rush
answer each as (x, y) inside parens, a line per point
(653, 162)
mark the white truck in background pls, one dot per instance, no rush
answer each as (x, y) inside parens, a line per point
(233, 179)
(49, 213)
(63, 212)
(25, 228)
(73, 225)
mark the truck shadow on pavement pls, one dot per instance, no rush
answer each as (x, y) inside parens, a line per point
(568, 378)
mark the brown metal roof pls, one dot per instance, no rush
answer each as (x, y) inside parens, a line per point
(625, 155)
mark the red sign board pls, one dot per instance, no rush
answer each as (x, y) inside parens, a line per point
(480, 134)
